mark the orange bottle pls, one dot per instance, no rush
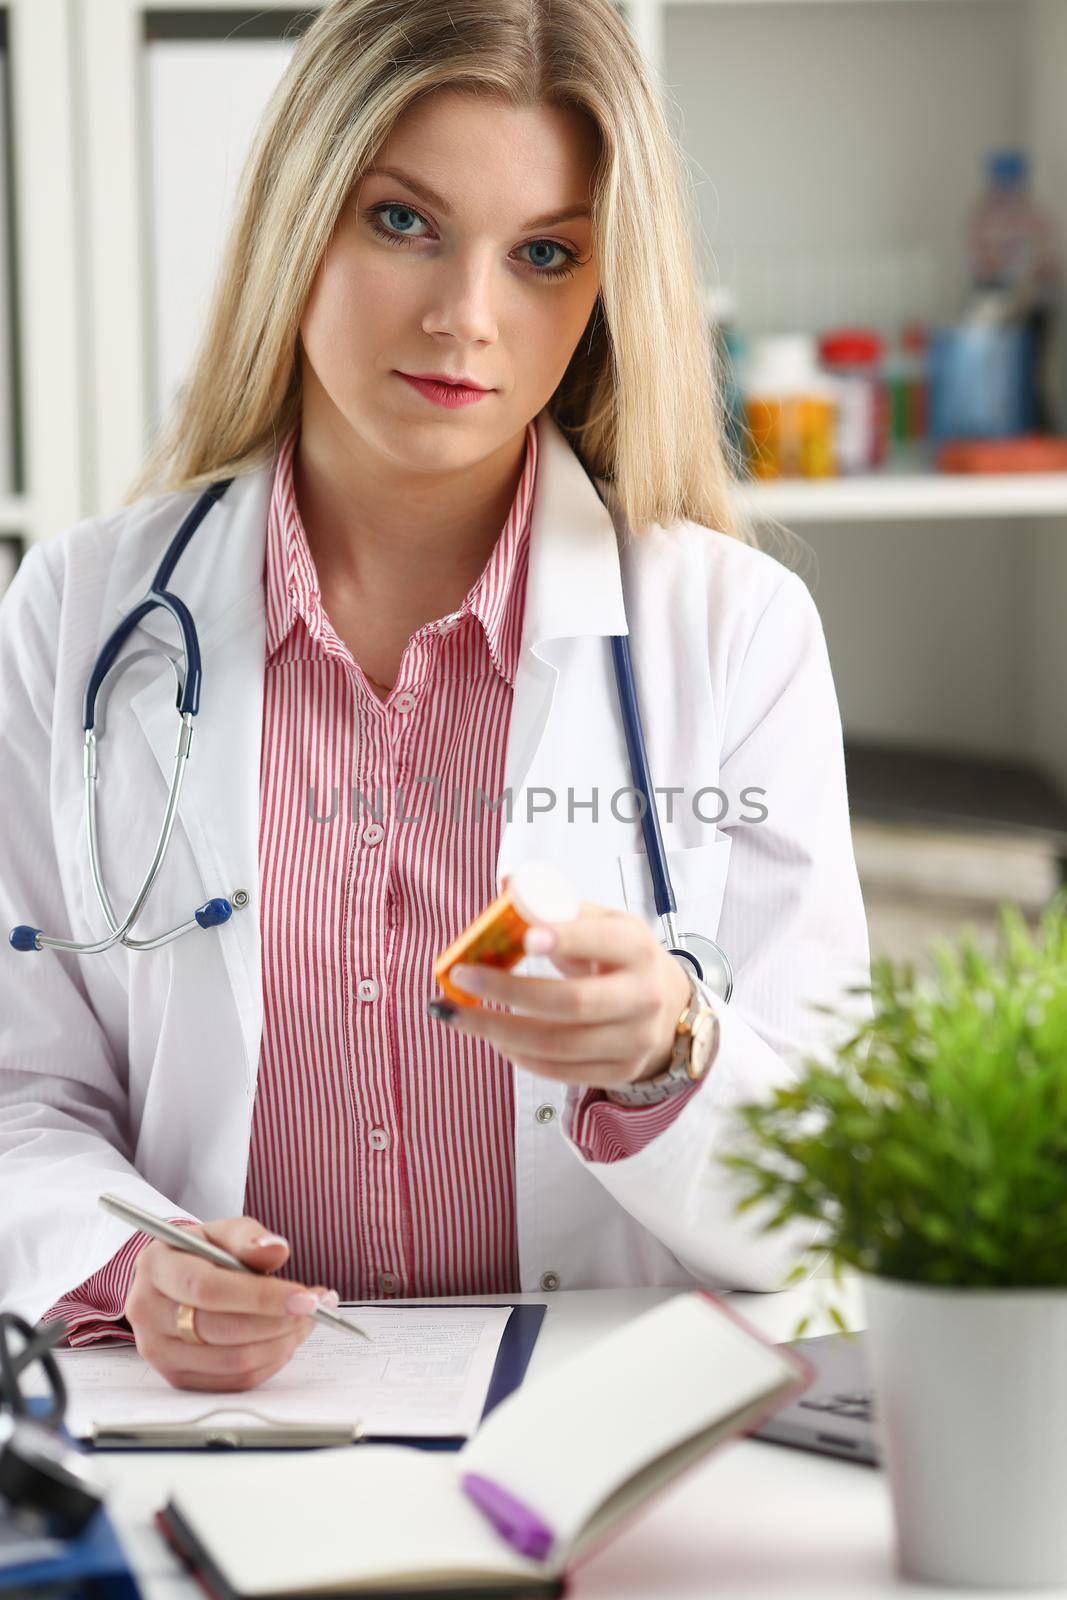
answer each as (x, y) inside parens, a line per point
(535, 892)
(790, 410)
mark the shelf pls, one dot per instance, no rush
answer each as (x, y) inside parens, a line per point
(890, 497)
(954, 790)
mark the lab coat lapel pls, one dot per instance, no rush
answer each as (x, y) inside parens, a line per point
(573, 595)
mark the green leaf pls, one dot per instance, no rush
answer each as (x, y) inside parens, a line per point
(933, 1146)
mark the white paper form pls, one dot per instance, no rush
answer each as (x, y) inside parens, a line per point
(427, 1372)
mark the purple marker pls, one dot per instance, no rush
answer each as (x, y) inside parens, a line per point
(521, 1527)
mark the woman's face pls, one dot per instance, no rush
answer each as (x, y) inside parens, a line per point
(452, 269)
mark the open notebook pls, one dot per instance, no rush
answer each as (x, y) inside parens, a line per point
(544, 1480)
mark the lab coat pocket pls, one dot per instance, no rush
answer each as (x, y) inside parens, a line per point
(699, 878)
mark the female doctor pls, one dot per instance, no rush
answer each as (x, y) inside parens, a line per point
(458, 288)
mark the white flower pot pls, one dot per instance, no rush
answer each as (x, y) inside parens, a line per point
(971, 1400)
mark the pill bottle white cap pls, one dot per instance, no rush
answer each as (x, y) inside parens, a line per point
(542, 893)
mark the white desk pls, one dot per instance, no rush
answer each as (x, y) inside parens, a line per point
(755, 1521)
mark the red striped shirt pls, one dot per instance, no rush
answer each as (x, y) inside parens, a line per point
(382, 1142)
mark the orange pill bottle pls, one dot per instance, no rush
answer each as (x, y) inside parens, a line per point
(535, 892)
(790, 409)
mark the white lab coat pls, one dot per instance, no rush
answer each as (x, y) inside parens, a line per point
(136, 1072)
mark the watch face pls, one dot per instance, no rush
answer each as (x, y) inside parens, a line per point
(702, 1049)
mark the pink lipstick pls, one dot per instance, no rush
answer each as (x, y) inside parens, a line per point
(445, 394)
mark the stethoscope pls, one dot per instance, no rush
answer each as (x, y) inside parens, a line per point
(707, 959)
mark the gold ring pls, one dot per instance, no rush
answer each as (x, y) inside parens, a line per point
(187, 1325)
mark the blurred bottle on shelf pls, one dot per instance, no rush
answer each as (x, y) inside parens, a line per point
(853, 359)
(1012, 255)
(790, 409)
(981, 372)
(728, 348)
(907, 384)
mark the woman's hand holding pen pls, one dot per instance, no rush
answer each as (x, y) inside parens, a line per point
(610, 1019)
(249, 1325)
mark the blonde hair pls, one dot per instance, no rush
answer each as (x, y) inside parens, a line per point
(641, 399)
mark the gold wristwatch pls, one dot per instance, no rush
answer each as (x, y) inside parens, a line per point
(696, 1043)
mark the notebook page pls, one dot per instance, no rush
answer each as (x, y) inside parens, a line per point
(568, 1441)
(426, 1373)
(354, 1515)
(645, 1483)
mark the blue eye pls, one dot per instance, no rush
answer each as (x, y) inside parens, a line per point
(402, 238)
(403, 211)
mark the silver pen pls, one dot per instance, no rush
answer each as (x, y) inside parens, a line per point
(182, 1239)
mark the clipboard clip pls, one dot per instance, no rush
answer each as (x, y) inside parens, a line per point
(200, 1433)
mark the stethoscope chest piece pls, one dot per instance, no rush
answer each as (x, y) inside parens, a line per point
(709, 962)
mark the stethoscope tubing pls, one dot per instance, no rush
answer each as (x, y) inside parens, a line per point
(218, 909)
(158, 595)
(662, 888)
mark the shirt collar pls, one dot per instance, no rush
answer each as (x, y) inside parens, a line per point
(496, 598)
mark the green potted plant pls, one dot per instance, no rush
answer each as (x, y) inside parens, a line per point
(932, 1145)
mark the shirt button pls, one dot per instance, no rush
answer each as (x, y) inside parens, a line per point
(373, 832)
(378, 1139)
(549, 1280)
(545, 1113)
(388, 1282)
(367, 989)
(404, 702)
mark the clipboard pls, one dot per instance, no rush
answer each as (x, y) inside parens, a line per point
(512, 1359)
